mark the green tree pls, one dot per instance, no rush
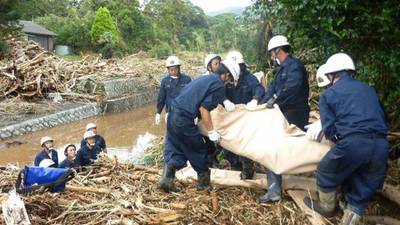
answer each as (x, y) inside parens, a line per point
(73, 30)
(367, 30)
(9, 13)
(103, 22)
(175, 21)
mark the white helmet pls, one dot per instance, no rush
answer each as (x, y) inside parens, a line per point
(90, 126)
(322, 79)
(172, 61)
(277, 41)
(89, 134)
(45, 139)
(233, 68)
(339, 62)
(209, 58)
(235, 56)
(46, 163)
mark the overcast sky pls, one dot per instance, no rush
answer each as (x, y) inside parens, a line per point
(215, 5)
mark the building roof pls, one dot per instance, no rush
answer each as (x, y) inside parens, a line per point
(30, 27)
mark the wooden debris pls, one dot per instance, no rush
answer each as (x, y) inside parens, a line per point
(313, 217)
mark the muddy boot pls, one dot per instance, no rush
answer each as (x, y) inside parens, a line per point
(350, 218)
(247, 169)
(203, 181)
(167, 179)
(274, 188)
(326, 205)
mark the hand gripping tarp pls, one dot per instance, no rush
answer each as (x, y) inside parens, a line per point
(265, 136)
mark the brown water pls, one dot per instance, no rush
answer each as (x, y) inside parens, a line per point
(120, 131)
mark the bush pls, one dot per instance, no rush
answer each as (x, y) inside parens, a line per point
(161, 50)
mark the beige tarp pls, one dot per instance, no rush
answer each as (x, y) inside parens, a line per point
(265, 136)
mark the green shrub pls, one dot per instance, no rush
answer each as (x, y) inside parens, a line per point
(161, 50)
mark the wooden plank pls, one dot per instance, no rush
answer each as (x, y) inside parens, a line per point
(313, 217)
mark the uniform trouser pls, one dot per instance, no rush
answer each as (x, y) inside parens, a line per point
(184, 143)
(294, 115)
(357, 163)
(236, 161)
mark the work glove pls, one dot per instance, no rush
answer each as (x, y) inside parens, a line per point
(166, 117)
(214, 136)
(314, 131)
(158, 119)
(271, 102)
(229, 106)
(196, 121)
(252, 105)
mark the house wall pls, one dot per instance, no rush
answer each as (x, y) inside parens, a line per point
(43, 40)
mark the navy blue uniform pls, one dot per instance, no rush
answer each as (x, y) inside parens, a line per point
(183, 140)
(247, 89)
(43, 155)
(68, 164)
(352, 116)
(290, 85)
(170, 89)
(99, 142)
(86, 156)
(291, 88)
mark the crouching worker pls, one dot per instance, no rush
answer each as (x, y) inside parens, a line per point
(48, 152)
(99, 140)
(352, 117)
(70, 154)
(183, 138)
(87, 154)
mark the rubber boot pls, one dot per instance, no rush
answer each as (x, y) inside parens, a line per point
(326, 205)
(350, 218)
(247, 169)
(167, 179)
(204, 181)
(274, 188)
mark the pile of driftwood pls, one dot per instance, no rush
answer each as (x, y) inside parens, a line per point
(110, 192)
(30, 71)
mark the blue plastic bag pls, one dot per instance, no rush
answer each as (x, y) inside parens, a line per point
(52, 179)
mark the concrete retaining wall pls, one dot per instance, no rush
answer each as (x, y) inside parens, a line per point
(122, 95)
(51, 120)
(130, 102)
(121, 87)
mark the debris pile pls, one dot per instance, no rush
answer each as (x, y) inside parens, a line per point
(30, 71)
(113, 193)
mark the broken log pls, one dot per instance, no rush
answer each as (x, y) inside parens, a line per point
(86, 189)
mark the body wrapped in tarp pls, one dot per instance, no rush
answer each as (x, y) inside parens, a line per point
(265, 136)
(35, 177)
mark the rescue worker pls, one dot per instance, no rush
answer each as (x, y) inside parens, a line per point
(211, 63)
(99, 140)
(171, 86)
(289, 90)
(87, 154)
(70, 154)
(48, 151)
(247, 90)
(183, 138)
(352, 117)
